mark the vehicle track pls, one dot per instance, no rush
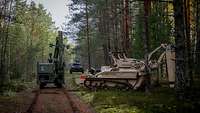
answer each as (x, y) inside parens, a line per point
(30, 109)
(56, 100)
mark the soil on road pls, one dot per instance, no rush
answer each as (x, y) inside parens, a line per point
(57, 100)
(52, 100)
(47, 100)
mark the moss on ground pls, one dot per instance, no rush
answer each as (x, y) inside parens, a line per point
(7, 104)
(70, 80)
(17, 103)
(115, 101)
(15, 86)
(160, 100)
(15, 96)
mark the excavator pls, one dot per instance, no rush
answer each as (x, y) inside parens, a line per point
(129, 73)
(53, 70)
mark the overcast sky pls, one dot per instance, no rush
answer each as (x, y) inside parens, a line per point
(57, 8)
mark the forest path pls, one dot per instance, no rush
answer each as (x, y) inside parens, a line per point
(57, 100)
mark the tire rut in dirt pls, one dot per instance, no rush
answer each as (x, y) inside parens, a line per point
(52, 100)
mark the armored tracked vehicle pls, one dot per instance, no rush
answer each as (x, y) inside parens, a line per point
(129, 73)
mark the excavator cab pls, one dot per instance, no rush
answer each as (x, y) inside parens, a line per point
(45, 73)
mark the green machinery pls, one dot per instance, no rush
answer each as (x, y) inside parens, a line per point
(53, 71)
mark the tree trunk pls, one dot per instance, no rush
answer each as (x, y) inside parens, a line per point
(4, 41)
(126, 28)
(180, 48)
(146, 42)
(189, 58)
(197, 52)
(87, 35)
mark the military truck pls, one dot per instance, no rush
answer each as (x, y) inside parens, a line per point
(53, 70)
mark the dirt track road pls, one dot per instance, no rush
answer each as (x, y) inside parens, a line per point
(55, 100)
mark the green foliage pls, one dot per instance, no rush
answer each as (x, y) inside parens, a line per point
(98, 38)
(159, 30)
(111, 101)
(138, 50)
(30, 35)
(30, 32)
(118, 109)
(107, 30)
(14, 86)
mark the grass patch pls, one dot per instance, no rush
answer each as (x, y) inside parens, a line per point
(7, 102)
(115, 101)
(160, 100)
(15, 86)
(17, 103)
(117, 109)
(70, 81)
